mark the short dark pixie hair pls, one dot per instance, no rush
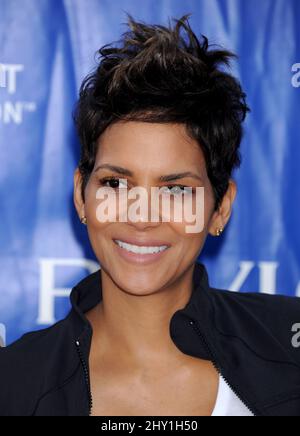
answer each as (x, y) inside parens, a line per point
(157, 74)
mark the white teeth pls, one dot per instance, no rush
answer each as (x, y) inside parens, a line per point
(141, 250)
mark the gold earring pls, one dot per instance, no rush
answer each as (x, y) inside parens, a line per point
(83, 220)
(219, 231)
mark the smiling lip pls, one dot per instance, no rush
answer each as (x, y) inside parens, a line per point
(140, 259)
(140, 243)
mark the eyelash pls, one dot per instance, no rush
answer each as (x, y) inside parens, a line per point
(114, 179)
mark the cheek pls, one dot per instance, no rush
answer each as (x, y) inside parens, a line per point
(193, 242)
(190, 241)
(96, 205)
(98, 232)
(188, 245)
(198, 216)
(92, 207)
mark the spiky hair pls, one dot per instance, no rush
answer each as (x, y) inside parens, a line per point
(165, 74)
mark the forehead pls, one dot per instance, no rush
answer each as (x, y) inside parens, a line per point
(144, 145)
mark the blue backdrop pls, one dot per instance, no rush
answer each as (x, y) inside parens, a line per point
(46, 48)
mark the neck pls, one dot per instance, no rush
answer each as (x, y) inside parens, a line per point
(136, 328)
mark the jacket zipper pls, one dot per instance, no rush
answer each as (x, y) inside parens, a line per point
(86, 375)
(197, 329)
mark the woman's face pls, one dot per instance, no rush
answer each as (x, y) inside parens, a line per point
(148, 151)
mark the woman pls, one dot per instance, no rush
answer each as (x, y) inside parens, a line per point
(147, 335)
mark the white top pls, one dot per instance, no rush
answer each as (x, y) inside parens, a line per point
(227, 403)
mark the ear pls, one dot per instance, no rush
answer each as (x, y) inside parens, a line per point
(221, 216)
(77, 197)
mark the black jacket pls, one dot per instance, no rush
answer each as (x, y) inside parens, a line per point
(248, 336)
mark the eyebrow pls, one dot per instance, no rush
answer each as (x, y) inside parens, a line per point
(166, 178)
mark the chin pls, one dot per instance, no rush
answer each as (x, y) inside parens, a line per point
(139, 283)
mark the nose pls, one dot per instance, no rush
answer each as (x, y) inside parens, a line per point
(144, 212)
(143, 225)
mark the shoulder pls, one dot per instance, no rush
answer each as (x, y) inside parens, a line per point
(269, 323)
(30, 367)
(260, 305)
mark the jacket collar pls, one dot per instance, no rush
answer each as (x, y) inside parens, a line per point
(88, 293)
